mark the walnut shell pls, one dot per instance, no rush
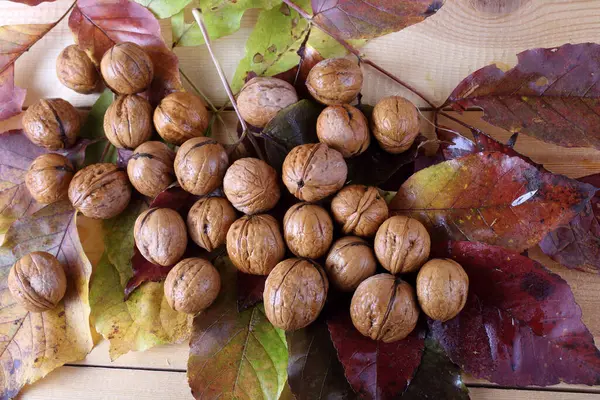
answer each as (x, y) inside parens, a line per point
(37, 281)
(192, 286)
(262, 98)
(360, 210)
(402, 244)
(395, 124)
(335, 81)
(150, 168)
(76, 70)
(442, 288)
(128, 121)
(127, 68)
(52, 123)
(312, 172)
(254, 244)
(295, 293)
(308, 230)
(181, 116)
(251, 186)
(48, 178)
(349, 262)
(100, 191)
(160, 236)
(200, 165)
(208, 221)
(345, 129)
(384, 308)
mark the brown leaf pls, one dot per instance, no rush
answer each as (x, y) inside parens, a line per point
(250, 290)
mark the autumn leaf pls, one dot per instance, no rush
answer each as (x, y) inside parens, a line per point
(93, 130)
(521, 325)
(236, 355)
(164, 8)
(250, 290)
(551, 94)
(492, 198)
(36, 343)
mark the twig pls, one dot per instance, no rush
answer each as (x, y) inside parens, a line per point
(105, 151)
(458, 121)
(302, 53)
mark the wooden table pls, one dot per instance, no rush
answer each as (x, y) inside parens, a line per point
(433, 56)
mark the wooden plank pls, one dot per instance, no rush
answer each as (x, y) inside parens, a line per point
(483, 393)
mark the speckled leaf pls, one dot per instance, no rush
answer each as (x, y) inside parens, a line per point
(164, 8)
(521, 325)
(236, 355)
(34, 344)
(492, 198)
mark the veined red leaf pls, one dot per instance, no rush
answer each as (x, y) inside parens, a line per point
(551, 94)
(492, 198)
(521, 325)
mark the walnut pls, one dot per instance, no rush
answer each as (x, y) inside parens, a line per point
(128, 121)
(127, 68)
(262, 98)
(442, 289)
(295, 293)
(192, 285)
(402, 244)
(160, 236)
(335, 81)
(384, 308)
(251, 186)
(308, 230)
(100, 191)
(395, 124)
(209, 220)
(254, 244)
(181, 116)
(37, 281)
(349, 262)
(312, 172)
(360, 210)
(345, 129)
(150, 168)
(52, 123)
(200, 165)
(76, 70)
(48, 178)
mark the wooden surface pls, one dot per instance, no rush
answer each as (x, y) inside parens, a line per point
(433, 56)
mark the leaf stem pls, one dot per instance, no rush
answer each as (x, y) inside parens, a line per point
(458, 121)
(105, 151)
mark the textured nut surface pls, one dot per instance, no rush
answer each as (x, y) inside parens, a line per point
(48, 178)
(37, 281)
(150, 168)
(251, 186)
(395, 124)
(254, 244)
(262, 98)
(128, 121)
(181, 116)
(349, 262)
(359, 210)
(402, 244)
(384, 308)
(312, 172)
(200, 165)
(100, 191)
(335, 81)
(127, 68)
(308, 230)
(160, 236)
(76, 70)
(192, 285)
(442, 288)
(209, 220)
(52, 123)
(295, 293)
(345, 129)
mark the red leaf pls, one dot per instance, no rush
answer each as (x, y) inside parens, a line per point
(550, 94)
(376, 370)
(144, 271)
(521, 325)
(250, 290)
(362, 19)
(32, 2)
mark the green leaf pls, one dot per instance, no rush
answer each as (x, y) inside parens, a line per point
(164, 8)
(93, 129)
(236, 355)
